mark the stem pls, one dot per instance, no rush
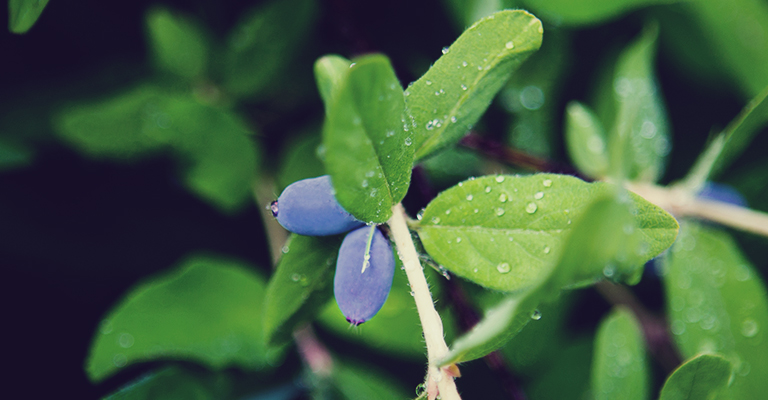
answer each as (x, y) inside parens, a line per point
(431, 323)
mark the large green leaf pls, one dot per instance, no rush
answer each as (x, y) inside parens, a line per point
(505, 232)
(639, 140)
(368, 153)
(449, 99)
(213, 144)
(263, 42)
(598, 246)
(585, 12)
(717, 303)
(330, 71)
(178, 44)
(301, 286)
(619, 368)
(22, 14)
(208, 310)
(700, 378)
(586, 140)
(737, 30)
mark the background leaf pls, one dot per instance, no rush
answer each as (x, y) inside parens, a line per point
(301, 286)
(718, 304)
(22, 14)
(208, 310)
(367, 152)
(330, 71)
(504, 232)
(586, 140)
(172, 383)
(355, 382)
(619, 368)
(585, 12)
(178, 43)
(449, 99)
(701, 377)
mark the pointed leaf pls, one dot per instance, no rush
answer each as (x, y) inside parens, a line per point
(367, 152)
(639, 140)
(208, 310)
(330, 71)
(22, 14)
(717, 303)
(178, 44)
(586, 140)
(458, 88)
(700, 378)
(301, 286)
(504, 232)
(619, 367)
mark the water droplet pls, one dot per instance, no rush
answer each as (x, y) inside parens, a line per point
(369, 174)
(510, 45)
(458, 240)
(464, 64)
(435, 220)
(120, 360)
(648, 130)
(479, 67)
(536, 315)
(364, 183)
(390, 133)
(408, 141)
(499, 212)
(295, 277)
(420, 214)
(374, 192)
(445, 50)
(547, 182)
(106, 327)
(475, 270)
(503, 268)
(470, 197)
(531, 208)
(749, 328)
(538, 195)
(464, 87)
(454, 119)
(547, 250)
(609, 271)
(499, 178)
(428, 82)
(125, 340)
(476, 211)
(285, 249)
(503, 197)
(532, 98)
(511, 239)
(487, 189)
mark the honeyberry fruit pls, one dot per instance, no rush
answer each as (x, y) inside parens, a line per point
(721, 192)
(308, 207)
(361, 287)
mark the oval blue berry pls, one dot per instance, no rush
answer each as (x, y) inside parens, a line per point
(722, 192)
(308, 207)
(360, 293)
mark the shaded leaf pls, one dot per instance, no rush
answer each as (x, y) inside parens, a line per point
(450, 98)
(301, 286)
(178, 44)
(13, 155)
(505, 232)
(330, 71)
(22, 14)
(207, 310)
(367, 152)
(586, 12)
(355, 382)
(700, 378)
(619, 367)
(263, 42)
(717, 303)
(639, 140)
(586, 140)
(173, 383)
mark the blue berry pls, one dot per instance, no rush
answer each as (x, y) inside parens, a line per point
(308, 207)
(721, 192)
(360, 293)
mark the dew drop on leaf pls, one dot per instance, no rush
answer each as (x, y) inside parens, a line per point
(499, 212)
(538, 195)
(435, 220)
(470, 197)
(487, 189)
(464, 87)
(503, 197)
(503, 268)
(536, 315)
(500, 178)
(408, 141)
(547, 182)
(458, 240)
(547, 250)
(531, 208)
(749, 328)
(510, 45)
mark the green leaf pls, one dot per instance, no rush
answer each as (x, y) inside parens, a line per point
(301, 286)
(586, 140)
(396, 328)
(619, 368)
(173, 383)
(735, 28)
(22, 14)
(586, 12)
(639, 140)
(330, 71)
(300, 160)
(567, 377)
(599, 245)
(466, 12)
(208, 310)
(700, 378)
(505, 232)
(213, 144)
(450, 98)
(717, 303)
(367, 152)
(263, 42)
(178, 44)
(356, 382)
(728, 145)
(14, 155)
